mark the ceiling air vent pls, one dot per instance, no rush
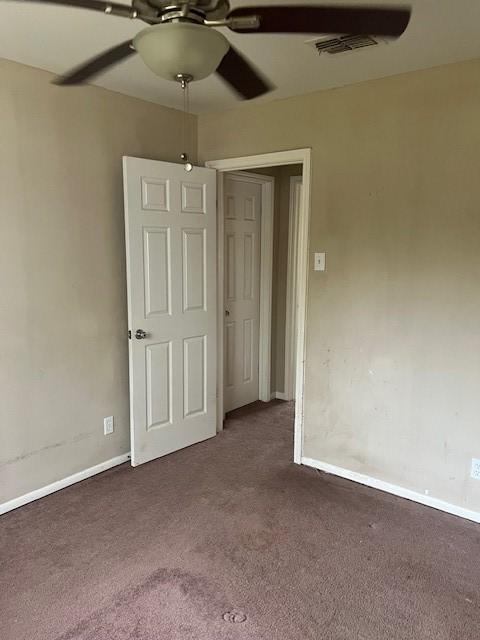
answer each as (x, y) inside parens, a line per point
(342, 44)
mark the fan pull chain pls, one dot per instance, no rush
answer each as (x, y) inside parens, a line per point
(184, 80)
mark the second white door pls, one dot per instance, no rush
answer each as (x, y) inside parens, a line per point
(242, 207)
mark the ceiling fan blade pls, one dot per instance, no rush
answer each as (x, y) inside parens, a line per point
(113, 8)
(242, 76)
(378, 21)
(97, 65)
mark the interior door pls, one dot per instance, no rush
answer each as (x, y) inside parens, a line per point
(170, 227)
(242, 210)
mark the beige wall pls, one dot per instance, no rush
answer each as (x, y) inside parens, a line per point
(393, 339)
(62, 269)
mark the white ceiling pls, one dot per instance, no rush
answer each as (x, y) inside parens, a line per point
(57, 38)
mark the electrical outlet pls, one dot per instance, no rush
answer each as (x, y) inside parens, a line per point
(107, 425)
(475, 473)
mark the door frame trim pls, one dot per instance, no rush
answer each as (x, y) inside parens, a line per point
(294, 216)
(266, 277)
(279, 158)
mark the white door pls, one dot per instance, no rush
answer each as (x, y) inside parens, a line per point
(170, 230)
(242, 207)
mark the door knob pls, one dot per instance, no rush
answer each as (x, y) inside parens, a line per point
(140, 334)
(227, 312)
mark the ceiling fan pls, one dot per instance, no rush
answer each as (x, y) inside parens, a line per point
(182, 43)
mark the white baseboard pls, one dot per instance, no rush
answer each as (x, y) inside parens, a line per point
(61, 484)
(278, 395)
(426, 500)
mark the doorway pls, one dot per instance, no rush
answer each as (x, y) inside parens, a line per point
(299, 266)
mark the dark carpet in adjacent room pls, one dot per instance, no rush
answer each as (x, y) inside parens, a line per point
(230, 540)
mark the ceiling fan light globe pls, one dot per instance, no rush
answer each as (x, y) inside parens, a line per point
(181, 48)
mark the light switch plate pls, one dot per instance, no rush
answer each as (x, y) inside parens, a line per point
(319, 261)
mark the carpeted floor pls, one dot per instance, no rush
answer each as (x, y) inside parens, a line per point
(230, 540)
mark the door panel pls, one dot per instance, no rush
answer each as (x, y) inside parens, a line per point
(247, 350)
(159, 384)
(170, 225)
(194, 357)
(194, 269)
(248, 265)
(193, 197)
(243, 200)
(156, 247)
(230, 264)
(155, 194)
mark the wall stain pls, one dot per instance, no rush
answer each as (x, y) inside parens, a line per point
(55, 445)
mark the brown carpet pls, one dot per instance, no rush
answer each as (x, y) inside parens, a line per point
(230, 540)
